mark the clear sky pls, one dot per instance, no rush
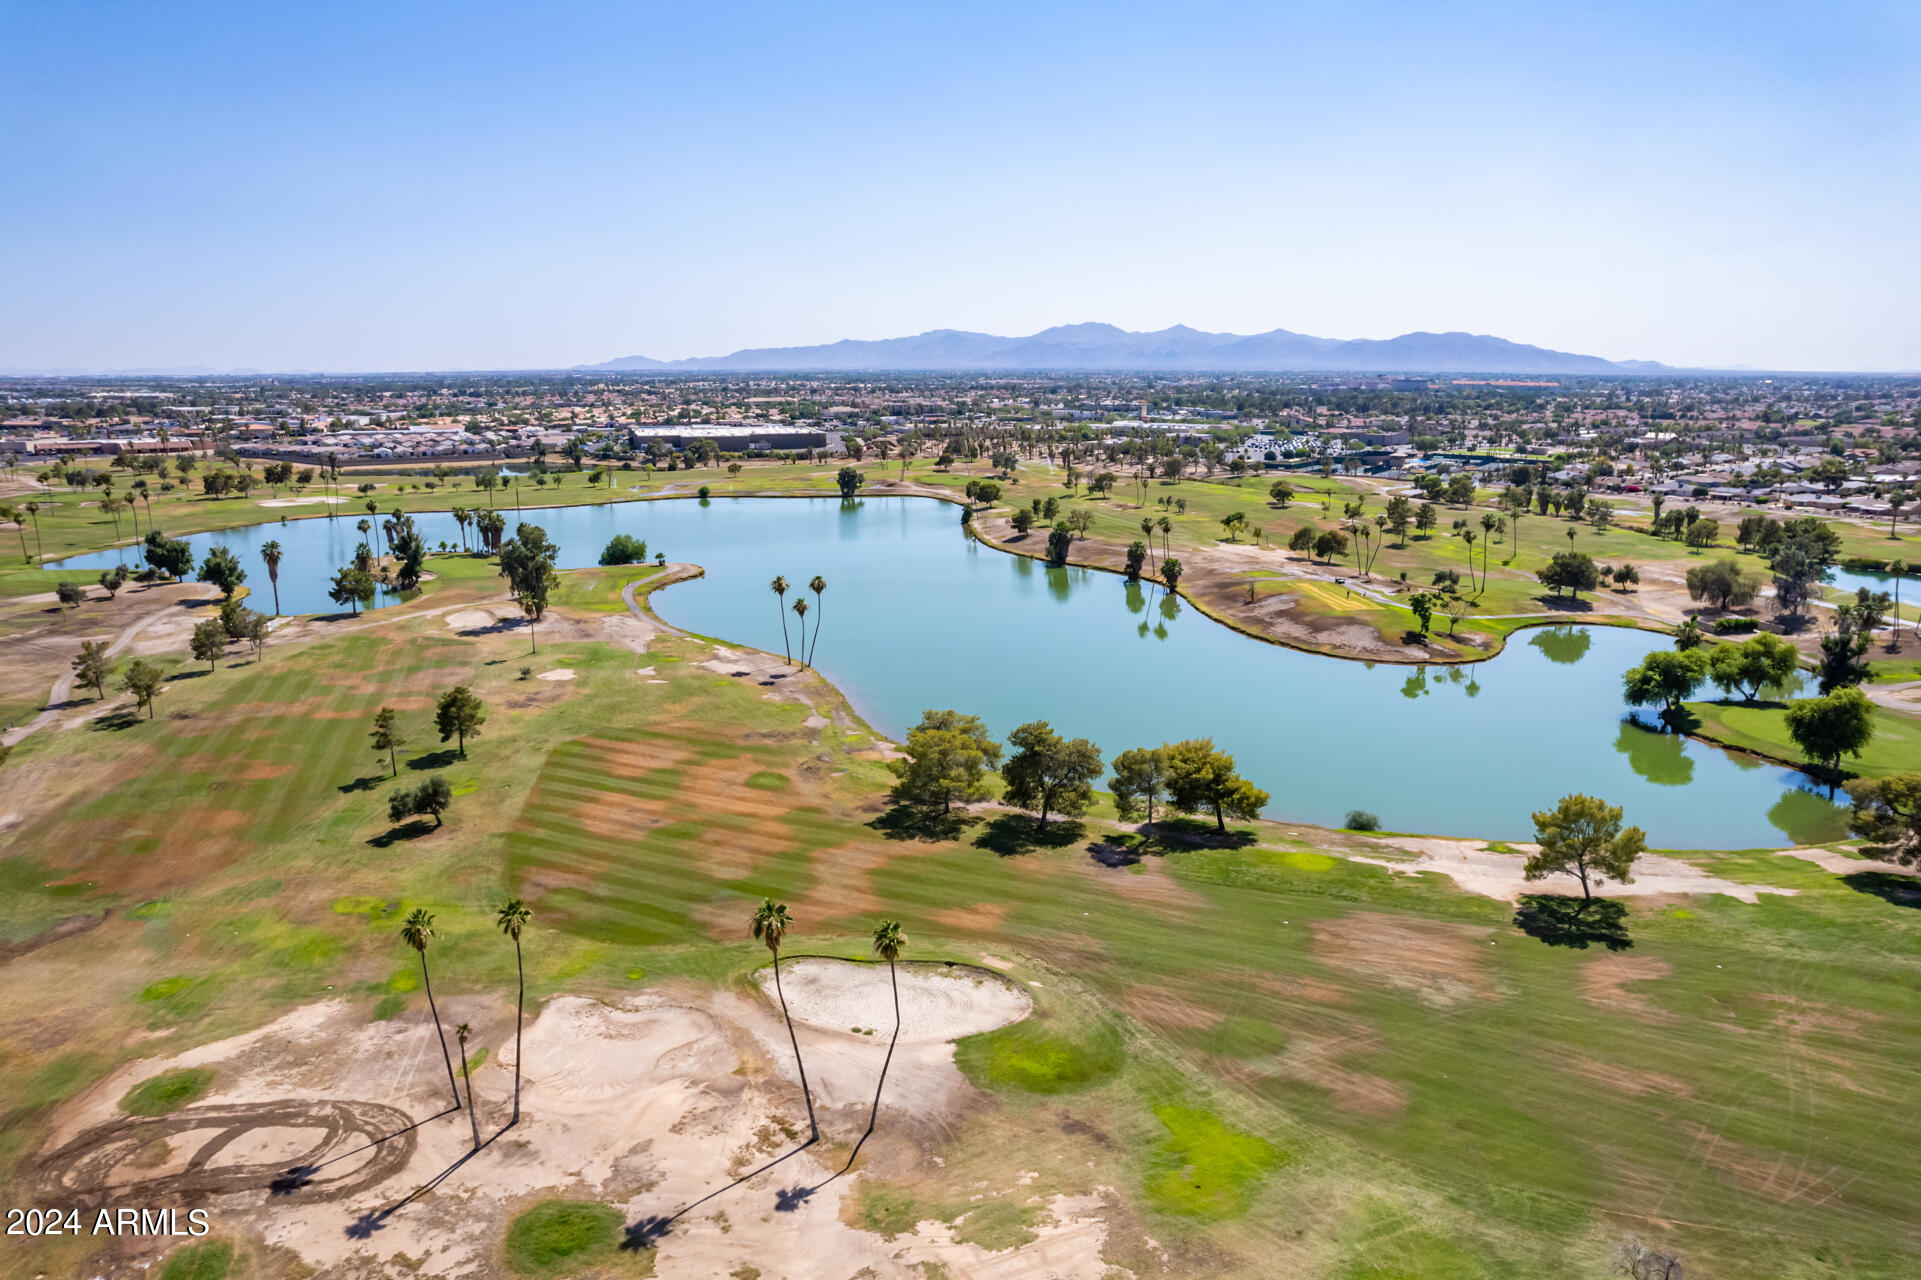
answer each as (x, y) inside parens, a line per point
(408, 186)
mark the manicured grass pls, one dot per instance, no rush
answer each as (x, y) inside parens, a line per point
(168, 1091)
(1033, 1057)
(1443, 1086)
(207, 1260)
(563, 1237)
(1763, 727)
(1204, 1169)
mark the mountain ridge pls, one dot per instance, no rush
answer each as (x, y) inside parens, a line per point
(1096, 346)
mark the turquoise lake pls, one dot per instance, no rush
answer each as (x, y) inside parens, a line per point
(918, 615)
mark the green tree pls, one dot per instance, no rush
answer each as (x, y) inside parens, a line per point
(1330, 545)
(1281, 492)
(772, 920)
(1136, 559)
(1573, 571)
(1752, 665)
(1400, 515)
(209, 642)
(386, 736)
(1022, 520)
(1139, 781)
(1422, 603)
(90, 666)
(624, 548)
(527, 562)
(352, 586)
(143, 680)
(1844, 650)
(1723, 584)
(512, 918)
(430, 799)
(947, 759)
(1048, 773)
(1583, 836)
(171, 556)
(416, 932)
(1887, 811)
(1665, 678)
(1201, 779)
(459, 715)
(1060, 541)
(1231, 524)
(220, 568)
(1827, 728)
(271, 553)
(1171, 573)
(849, 481)
(1302, 540)
(1426, 516)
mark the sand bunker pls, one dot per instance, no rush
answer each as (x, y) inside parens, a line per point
(297, 502)
(937, 1003)
(650, 1104)
(558, 673)
(1479, 869)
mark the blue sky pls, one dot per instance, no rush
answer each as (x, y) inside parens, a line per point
(400, 186)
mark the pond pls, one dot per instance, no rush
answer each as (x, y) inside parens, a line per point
(917, 615)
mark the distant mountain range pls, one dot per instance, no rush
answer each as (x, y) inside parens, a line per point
(1105, 347)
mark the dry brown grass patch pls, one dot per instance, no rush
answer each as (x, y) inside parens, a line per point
(1604, 983)
(1440, 963)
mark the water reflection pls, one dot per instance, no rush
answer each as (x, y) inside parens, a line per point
(1661, 758)
(1563, 645)
(1806, 817)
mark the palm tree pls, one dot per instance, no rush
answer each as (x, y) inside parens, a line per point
(1488, 522)
(33, 510)
(889, 942)
(772, 920)
(1469, 537)
(817, 585)
(512, 918)
(461, 1033)
(1167, 527)
(418, 928)
(779, 587)
(271, 553)
(800, 610)
(1896, 568)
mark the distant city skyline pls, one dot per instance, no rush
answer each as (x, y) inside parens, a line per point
(372, 187)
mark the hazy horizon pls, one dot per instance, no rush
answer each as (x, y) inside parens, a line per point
(372, 189)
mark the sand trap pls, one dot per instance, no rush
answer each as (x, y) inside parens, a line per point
(558, 673)
(1843, 864)
(936, 1003)
(1479, 869)
(297, 502)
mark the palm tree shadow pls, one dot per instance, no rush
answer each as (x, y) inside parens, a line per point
(646, 1232)
(1013, 834)
(365, 782)
(373, 1220)
(1574, 922)
(301, 1175)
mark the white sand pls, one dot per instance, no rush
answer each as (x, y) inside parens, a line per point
(297, 502)
(558, 673)
(936, 1003)
(1479, 869)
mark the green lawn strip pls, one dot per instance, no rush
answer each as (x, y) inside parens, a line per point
(168, 1091)
(1762, 728)
(570, 1238)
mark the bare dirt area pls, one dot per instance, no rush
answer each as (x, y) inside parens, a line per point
(1475, 867)
(332, 1137)
(1605, 985)
(1438, 962)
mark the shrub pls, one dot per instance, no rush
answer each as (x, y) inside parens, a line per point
(624, 548)
(1733, 626)
(168, 1091)
(1362, 820)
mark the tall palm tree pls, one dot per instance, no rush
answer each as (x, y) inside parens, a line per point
(817, 585)
(772, 920)
(461, 1033)
(1896, 569)
(1167, 527)
(271, 553)
(779, 587)
(800, 611)
(1469, 537)
(512, 918)
(33, 511)
(889, 942)
(418, 928)
(1488, 521)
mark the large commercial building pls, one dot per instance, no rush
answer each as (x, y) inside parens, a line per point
(732, 437)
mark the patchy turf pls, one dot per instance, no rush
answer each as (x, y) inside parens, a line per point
(168, 1091)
